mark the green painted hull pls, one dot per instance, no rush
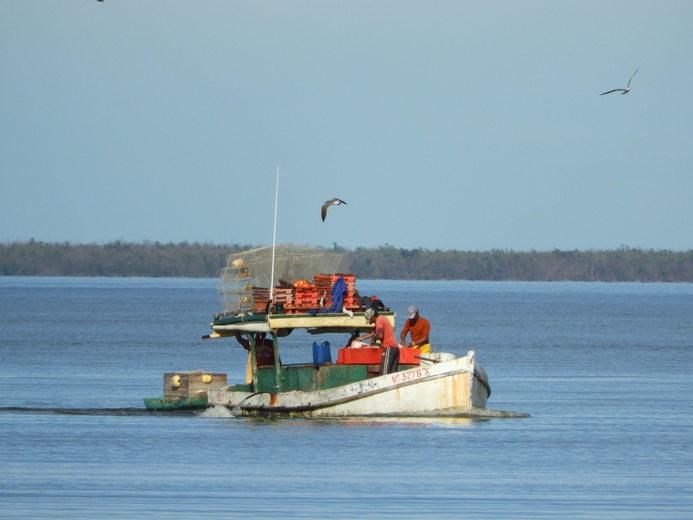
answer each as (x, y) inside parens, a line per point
(186, 402)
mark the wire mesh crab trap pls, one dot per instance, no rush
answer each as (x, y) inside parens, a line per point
(246, 281)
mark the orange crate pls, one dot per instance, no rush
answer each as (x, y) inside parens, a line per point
(407, 356)
(359, 356)
(372, 356)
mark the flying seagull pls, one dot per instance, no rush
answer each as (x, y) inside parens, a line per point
(622, 90)
(328, 203)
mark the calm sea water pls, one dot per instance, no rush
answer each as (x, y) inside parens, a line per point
(604, 370)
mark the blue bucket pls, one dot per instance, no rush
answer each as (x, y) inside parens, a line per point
(321, 353)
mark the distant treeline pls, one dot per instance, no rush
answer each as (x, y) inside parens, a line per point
(195, 260)
(147, 259)
(618, 265)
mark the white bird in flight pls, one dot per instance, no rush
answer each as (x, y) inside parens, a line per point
(622, 90)
(328, 203)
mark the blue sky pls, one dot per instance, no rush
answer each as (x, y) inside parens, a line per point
(443, 125)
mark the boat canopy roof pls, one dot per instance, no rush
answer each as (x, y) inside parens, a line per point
(282, 324)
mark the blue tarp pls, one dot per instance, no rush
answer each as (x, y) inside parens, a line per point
(339, 291)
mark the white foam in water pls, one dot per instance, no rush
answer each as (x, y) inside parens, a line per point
(218, 411)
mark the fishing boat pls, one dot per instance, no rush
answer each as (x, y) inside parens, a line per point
(306, 290)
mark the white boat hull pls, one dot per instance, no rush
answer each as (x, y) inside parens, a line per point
(457, 387)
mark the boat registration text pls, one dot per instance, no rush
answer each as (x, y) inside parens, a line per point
(410, 375)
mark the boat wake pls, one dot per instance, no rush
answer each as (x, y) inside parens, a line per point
(488, 413)
(217, 412)
(222, 412)
(468, 413)
(84, 411)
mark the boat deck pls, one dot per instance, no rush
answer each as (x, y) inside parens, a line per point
(319, 322)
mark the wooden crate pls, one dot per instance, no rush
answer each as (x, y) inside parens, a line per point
(184, 383)
(283, 295)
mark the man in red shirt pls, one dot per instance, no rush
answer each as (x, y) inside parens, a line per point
(382, 333)
(419, 328)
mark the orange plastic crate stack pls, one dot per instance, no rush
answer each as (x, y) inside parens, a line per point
(323, 286)
(306, 296)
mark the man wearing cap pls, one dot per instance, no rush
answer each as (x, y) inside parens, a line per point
(419, 328)
(385, 334)
(382, 332)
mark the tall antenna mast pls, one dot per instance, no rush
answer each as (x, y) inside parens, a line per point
(274, 240)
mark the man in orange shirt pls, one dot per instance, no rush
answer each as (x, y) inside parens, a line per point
(419, 328)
